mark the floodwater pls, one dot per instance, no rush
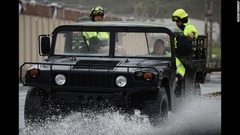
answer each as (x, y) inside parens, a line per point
(201, 116)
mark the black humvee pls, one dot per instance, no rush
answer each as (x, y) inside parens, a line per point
(121, 74)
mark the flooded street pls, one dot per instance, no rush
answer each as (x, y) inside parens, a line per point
(196, 117)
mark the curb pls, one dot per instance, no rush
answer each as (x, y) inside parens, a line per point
(214, 94)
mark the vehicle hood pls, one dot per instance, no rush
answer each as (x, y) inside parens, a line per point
(112, 62)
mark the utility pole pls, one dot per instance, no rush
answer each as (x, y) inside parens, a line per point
(211, 31)
(206, 26)
(208, 17)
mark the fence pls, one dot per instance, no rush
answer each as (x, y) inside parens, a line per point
(36, 19)
(29, 28)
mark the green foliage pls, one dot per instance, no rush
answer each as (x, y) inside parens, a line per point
(217, 51)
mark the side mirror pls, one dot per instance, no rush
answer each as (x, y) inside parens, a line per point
(44, 46)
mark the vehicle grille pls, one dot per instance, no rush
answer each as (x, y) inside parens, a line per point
(92, 79)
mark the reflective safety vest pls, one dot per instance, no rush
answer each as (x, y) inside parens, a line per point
(180, 68)
(100, 35)
(190, 28)
(103, 35)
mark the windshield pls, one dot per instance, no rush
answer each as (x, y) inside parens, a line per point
(126, 44)
(142, 44)
(81, 43)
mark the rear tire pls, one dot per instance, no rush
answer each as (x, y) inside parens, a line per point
(192, 88)
(197, 89)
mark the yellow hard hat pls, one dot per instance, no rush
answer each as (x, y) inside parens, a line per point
(179, 13)
(98, 10)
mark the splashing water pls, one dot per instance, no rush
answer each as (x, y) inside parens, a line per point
(196, 117)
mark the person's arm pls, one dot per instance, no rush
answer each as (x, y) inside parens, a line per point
(191, 31)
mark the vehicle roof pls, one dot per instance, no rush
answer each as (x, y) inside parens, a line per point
(126, 24)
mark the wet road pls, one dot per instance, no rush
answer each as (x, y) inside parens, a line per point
(197, 117)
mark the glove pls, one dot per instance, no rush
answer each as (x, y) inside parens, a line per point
(178, 77)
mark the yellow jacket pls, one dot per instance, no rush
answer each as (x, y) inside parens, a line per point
(180, 68)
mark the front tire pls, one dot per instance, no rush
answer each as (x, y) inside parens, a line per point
(36, 106)
(157, 110)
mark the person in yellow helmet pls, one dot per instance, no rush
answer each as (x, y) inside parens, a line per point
(181, 18)
(96, 14)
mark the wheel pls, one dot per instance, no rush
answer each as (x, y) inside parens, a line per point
(197, 89)
(157, 111)
(36, 106)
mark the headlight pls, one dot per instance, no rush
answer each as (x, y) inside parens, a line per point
(60, 79)
(138, 75)
(121, 81)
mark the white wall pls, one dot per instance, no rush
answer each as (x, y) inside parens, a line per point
(30, 27)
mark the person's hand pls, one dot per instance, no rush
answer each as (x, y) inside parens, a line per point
(176, 79)
(191, 35)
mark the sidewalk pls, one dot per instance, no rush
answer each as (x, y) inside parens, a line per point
(212, 84)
